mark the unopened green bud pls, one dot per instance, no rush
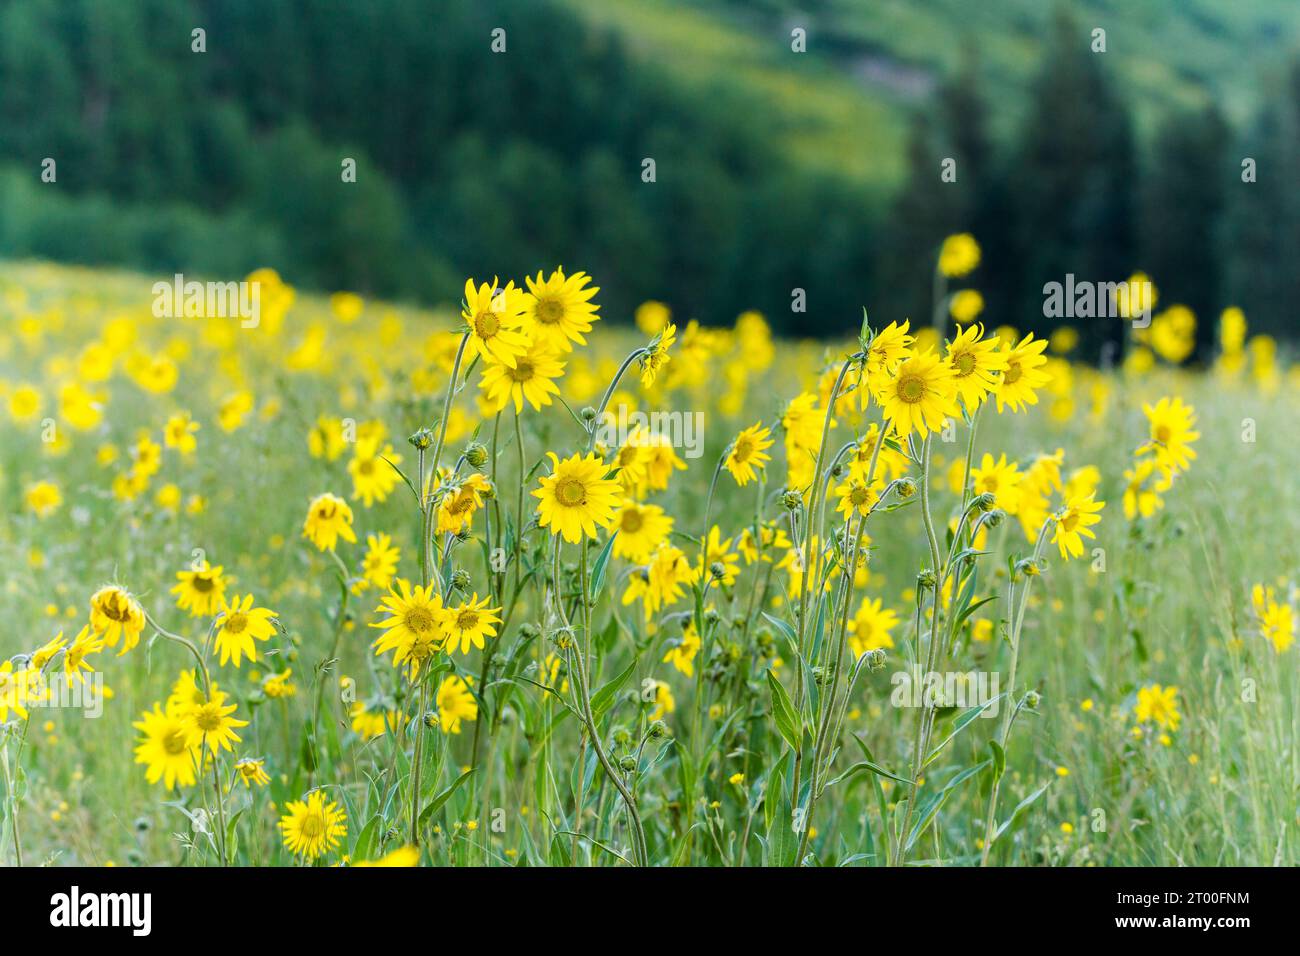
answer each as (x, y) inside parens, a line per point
(906, 487)
(476, 454)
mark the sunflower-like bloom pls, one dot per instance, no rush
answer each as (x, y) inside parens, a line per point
(116, 615)
(999, 478)
(416, 626)
(559, 310)
(211, 722)
(18, 688)
(74, 658)
(577, 498)
(681, 653)
(857, 498)
(976, 364)
(1073, 524)
(313, 827)
(252, 771)
(166, 749)
(373, 473)
(748, 454)
(870, 626)
(531, 378)
(328, 518)
(1276, 621)
(494, 316)
(239, 625)
(200, 590)
(1023, 374)
(1159, 705)
(718, 552)
(470, 623)
(890, 346)
(959, 255)
(641, 530)
(920, 395)
(1173, 429)
(379, 566)
(455, 704)
(458, 504)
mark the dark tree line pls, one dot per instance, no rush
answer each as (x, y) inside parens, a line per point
(471, 163)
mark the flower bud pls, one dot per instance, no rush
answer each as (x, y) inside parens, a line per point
(986, 501)
(460, 579)
(627, 763)
(422, 439)
(791, 499)
(926, 579)
(717, 570)
(1033, 699)
(430, 719)
(995, 517)
(588, 414)
(659, 729)
(476, 454)
(906, 488)
(876, 659)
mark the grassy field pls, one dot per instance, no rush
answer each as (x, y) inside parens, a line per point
(734, 724)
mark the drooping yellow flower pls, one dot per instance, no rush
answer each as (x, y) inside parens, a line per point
(200, 590)
(460, 502)
(280, 685)
(19, 686)
(166, 748)
(641, 530)
(669, 572)
(656, 356)
(748, 453)
(682, 651)
(559, 309)
(86, 643)
(661, 695)
(116, 615)
(890, 346)
(416, 626)
(1159, 705)
(1023, 374)
(959, 255)
(977, 364)
(470, 623)
(577, 498)
(1173, 429)
(252, 772)
(870, 626)
(494, 316)
(239, 626)
(920, 395)
(1073, 524)
(328, 519)
(530, 378)
(455, 704)
(313, 827)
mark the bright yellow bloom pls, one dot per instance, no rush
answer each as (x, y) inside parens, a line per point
(494, 316)
(328, 519)
(455, 704)
(1173, 427)
(921, 395)
(460, 502)
(313, 827)
(179, 432)
(116, 615)
(749, 452)
(577, 498)
(211, 723)
(559, 310)
(890, 346)
(977, 364)
(857, 498)
(1023, 374)
(251, 771)
(416, 626)
(1000, 479)
(239, 626)
(470, 623)
(664, 702)
(403, 856)
(681, 652)
(656, 357)
(201, 590)
(641, 530)
(1158, 704)
(718, 552)
(1276, 621)
(43, 498)
(86, 643)
(1073, 524)
(166, 748)
(379, 566)
(959, 255)
(870, 626)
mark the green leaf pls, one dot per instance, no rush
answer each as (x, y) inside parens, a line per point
(960, 724)
(603, 699)
(1019, 812)
(443, 797)
(866, 765)
(999, 759)
(935, 801)
(783, 712)
(599, 570)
